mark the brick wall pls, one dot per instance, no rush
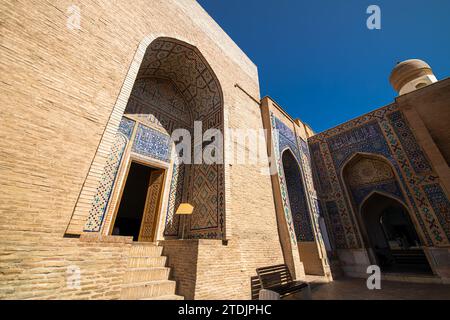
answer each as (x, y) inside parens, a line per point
(40, 271)
(212, 269)
(59, 87)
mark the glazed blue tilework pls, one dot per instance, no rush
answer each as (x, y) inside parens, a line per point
(286, 138)
(102, 197)
(285, 131)
(297, 199)
(367, 138)
(309, 185)
(305, 157)
(126, 127)
(336, 224)
(413, 151)
(304, 148)
(294, 182)
(440, 204)
(152, 143)
(389, 187)
(320, 171)
(383, 132)
(282, 182)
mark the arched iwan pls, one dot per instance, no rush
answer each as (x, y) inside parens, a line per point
(169, 86)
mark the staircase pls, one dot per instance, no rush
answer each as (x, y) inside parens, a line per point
(412, 261)
(410, 257)
(147, 277)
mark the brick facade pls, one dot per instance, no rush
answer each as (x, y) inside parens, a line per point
(65, 91)
(64, 94)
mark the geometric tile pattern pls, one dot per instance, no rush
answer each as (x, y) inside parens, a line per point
(305, 156)
(126, 127)
(440, 204)
(366, 174)
(152, 143)
(383, 132)
(207, 200)
(160, 107)
(101, 199)
(295, 166)
(281, 181)
(390, 187)
(320, 172)
(297, 197)
(335, 225)
(414, 182)
(157, 103)
(186, 67)
(366, 170)
(174, 87)
(175, 198)
(195, 96)
(412, 150)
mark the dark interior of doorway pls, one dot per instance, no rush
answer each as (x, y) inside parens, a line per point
(395, 241)
(129, 216)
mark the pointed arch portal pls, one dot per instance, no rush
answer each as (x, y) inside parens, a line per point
(298, 202)
(174, 87)
(392, 235)
(297, 197)
(385, 221)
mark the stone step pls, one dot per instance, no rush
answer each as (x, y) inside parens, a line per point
(145, 251)
(147, 262)
(145, 243)
(170, 297)
(134, 275)
(150, 289)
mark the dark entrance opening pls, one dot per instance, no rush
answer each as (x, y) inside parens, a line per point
(129, 216)
(393, 236)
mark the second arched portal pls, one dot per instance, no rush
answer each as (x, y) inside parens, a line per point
(385, 222)
(303, 226)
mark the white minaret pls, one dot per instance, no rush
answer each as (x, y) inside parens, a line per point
(411, 75)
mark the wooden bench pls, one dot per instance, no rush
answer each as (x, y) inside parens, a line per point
(277, 283)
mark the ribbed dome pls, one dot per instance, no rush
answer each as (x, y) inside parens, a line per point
(407, 71)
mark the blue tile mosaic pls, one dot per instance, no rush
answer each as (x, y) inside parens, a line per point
(126, 127)
(152, 143)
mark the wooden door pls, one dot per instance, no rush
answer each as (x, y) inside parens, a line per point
(152, 206)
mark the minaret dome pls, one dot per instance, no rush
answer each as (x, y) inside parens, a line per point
(411, 75)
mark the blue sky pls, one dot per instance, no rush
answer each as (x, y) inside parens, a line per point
(318, 59)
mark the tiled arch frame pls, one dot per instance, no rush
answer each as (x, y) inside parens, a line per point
(386, 132)
(93, 178)
(302, 217)
(356, 208)
(388, 195)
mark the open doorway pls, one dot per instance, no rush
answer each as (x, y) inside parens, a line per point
(140, 202)
(393, 236)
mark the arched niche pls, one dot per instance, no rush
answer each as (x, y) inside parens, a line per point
(373, 187)
(308, 247)
(173, 88)
(297, 197)
(363, 174)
